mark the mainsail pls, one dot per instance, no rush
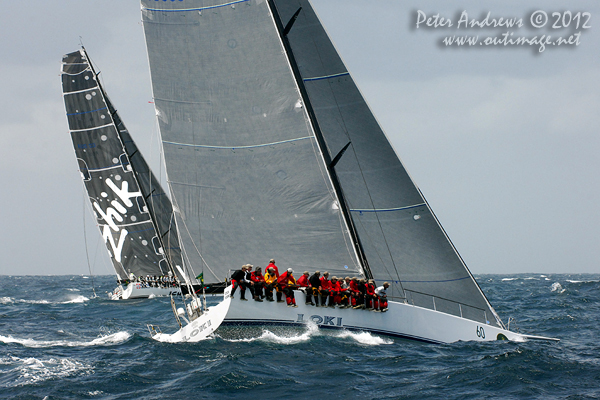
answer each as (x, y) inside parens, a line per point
(271, 151)
(134, 214)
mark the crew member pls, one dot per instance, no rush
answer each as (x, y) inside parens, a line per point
(371, 298)
(236, 281)
(272, 265)
(304, 285)
(382, 294)
(315, 283)
(325, 290)
(271, 283)
(248, 279)
(287, 283)
(259, 284)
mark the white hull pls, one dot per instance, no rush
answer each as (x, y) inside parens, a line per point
(200, 328)
(136, 291)
(401, 320)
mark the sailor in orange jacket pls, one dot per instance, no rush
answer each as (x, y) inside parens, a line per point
(288, 283)
(271, 283)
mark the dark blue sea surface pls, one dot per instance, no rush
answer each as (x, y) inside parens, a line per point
(58, 341)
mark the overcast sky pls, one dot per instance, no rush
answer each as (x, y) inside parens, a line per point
(503, 141)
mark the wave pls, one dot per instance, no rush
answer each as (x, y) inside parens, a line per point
(312, 330)
(112, 339)
(509, 279)
(557, 287)
(26, 371)
(364, 338)
(268, 336)
(78, 299)
(10, 300)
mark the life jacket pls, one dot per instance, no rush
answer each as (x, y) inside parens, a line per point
(370, 289)
(257, 277)
(270, 278)
(271, 265)
(286, 279)
(303, 281)
(325, 283)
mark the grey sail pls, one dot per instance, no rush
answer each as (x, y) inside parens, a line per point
(121, 188)
(401, 237)
(271, 151)
(247, 179)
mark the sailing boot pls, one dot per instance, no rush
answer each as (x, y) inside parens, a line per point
(257, 298)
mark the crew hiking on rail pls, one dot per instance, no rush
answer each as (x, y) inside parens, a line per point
(356, 293)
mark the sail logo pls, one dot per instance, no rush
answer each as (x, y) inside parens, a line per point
(116, 212)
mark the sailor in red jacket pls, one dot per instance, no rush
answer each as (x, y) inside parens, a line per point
(272, 265)
(371, 297)
(336, 290)
(354, 291)
(259, 284)
(304, 285)
(288, 283)
(325, 290)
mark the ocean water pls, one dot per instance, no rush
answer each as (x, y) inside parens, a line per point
(58, 341)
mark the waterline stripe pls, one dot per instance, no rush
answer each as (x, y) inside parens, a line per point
(318, 78)
(196, 9)
(236, 147)
(387, 209)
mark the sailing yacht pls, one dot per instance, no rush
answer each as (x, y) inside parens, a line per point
(132, 211)
(272, 152)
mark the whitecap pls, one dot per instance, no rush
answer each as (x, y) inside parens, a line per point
(73, 290)
(557, 287)
(364, 338)
(78, 299)
(108, 340)
(268, 336)
(32, 370)
(509, 279)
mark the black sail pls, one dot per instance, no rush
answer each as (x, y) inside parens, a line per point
(121, 188)
(403, 241)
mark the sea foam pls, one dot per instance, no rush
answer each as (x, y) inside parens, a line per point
(115, 338)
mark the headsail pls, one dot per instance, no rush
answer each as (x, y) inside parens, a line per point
(121, 187)
(402, 239)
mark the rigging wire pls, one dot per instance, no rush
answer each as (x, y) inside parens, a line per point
(86, 245)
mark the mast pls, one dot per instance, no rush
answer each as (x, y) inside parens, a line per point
(113, 113)
(329, 162)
